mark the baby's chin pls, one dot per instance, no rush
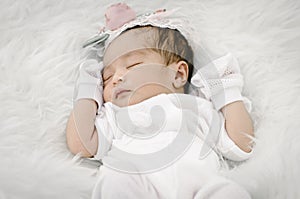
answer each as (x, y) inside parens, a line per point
(132, 99)
(138, 96)
(124, 102)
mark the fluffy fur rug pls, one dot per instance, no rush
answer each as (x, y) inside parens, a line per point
(40, 48)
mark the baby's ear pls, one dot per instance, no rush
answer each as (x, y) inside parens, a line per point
(182, 71)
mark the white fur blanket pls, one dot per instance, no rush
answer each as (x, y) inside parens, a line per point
(40, 48)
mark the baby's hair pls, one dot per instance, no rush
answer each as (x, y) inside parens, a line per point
(171, 45)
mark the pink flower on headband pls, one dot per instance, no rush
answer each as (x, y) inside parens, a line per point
(117, 15)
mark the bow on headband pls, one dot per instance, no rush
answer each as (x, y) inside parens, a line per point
(117, 15)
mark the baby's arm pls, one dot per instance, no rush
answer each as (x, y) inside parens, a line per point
(221, 82)
(81, 133)
(237, 120)
(82, 136)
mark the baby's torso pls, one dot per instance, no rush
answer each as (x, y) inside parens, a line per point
(160, 132)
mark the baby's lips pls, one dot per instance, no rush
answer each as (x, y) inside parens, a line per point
(118, 91)
(117, 15)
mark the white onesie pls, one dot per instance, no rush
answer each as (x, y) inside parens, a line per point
(167, 146)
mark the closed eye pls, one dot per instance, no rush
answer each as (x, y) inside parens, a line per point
(107, 78)
(133, 65)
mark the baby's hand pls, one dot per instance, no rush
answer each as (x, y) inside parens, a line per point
(220, 81)
(89, 83)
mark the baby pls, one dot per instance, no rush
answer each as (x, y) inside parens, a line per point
(156, 140)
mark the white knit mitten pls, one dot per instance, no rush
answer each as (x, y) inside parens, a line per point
(220, 81)
(89, 83)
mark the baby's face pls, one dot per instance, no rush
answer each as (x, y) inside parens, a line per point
(132, 72)
(136, 76)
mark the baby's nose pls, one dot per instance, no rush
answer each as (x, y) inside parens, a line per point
(118, 77)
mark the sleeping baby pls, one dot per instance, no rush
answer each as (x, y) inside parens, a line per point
(157, 118)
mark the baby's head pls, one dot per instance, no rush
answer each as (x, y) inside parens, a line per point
(145, 61)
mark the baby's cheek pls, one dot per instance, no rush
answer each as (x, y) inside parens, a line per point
(107, 94)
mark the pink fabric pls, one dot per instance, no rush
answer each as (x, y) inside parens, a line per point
(117, 15)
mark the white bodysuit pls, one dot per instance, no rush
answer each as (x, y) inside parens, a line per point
(167, 146)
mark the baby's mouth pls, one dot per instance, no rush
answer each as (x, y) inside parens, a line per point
(119, 92)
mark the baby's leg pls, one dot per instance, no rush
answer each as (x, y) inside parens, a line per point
(115, 185)
(219, 187)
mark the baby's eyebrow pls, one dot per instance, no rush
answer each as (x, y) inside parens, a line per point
(136, 52)
(142, 52)
(106, 69)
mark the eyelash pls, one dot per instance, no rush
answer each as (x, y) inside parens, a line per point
(107, 78)
(132, 65)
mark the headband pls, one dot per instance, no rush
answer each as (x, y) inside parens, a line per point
(120, 17)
